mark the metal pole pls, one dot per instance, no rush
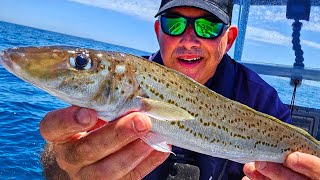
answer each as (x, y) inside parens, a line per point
(242, 26)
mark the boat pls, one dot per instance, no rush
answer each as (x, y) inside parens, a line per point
(299, 12)
(296, 12)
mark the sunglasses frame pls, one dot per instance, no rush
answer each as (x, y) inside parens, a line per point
(192, 22)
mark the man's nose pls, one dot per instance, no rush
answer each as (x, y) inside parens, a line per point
(189, 38)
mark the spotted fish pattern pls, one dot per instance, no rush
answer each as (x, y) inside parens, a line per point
(184, 113)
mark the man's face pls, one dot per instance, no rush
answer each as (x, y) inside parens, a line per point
(195, 57)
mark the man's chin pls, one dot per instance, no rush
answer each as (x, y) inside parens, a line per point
(191, 75)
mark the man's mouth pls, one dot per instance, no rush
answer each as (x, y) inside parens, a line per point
(190, 60)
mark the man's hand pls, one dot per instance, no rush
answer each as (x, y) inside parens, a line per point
(297, 166)
(112, 151)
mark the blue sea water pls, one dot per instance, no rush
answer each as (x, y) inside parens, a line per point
(22, 106)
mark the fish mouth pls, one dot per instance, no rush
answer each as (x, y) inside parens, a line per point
(6, 62)
(8, 59)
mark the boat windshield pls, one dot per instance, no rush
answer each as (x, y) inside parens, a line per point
(270, 35)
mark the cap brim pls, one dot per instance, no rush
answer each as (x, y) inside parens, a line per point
(207, 6)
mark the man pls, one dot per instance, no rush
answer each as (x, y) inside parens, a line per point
(194, 37)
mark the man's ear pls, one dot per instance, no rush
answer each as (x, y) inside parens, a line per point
(232, 35)
(157, 28)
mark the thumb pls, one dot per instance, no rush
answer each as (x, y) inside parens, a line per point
(59, 125)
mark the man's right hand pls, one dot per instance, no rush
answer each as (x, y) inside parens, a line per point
(113, 151)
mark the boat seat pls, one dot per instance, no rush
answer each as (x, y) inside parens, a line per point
(307, 119)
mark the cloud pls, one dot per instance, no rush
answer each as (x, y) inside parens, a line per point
(311, 44)
(260, 15)
(265, 23)
(314, 23)
(275, 37)
(139, 8)
(267, 36)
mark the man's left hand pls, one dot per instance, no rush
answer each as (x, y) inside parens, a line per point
(297, 166)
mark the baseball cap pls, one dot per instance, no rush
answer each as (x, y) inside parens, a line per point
(220, 8)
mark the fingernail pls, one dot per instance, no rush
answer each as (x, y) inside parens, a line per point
(83, 116)
(251, 168)
(139, 124)
(261, 165)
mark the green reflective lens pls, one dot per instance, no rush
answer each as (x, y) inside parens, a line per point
(174, 26)
(207, 29)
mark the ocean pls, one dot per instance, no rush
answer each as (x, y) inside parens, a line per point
(22, 106)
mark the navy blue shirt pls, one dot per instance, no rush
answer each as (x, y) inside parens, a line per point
(236, 82)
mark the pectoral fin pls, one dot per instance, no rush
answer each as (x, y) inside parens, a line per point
(156, 142)
(163, 111)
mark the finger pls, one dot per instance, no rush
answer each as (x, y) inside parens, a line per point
(118, 164)
(245, 178)
(147, 165)
(104, 141)
(306, 164)
(277, 171)
(59, 125)
(251, 172)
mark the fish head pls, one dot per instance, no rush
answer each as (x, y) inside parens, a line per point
(72, 74)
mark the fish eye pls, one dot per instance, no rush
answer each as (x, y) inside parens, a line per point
(81, 62)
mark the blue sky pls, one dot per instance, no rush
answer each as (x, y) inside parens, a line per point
(130, 23)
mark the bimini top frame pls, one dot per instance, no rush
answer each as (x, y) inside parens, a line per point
(297, 70)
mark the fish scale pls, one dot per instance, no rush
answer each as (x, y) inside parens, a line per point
(223, 127)
(184, 113)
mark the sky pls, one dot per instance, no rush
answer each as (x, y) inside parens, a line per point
(130, 23)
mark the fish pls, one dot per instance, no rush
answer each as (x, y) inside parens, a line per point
(184, 113)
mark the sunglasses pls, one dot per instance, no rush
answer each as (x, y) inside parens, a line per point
(205, 27)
